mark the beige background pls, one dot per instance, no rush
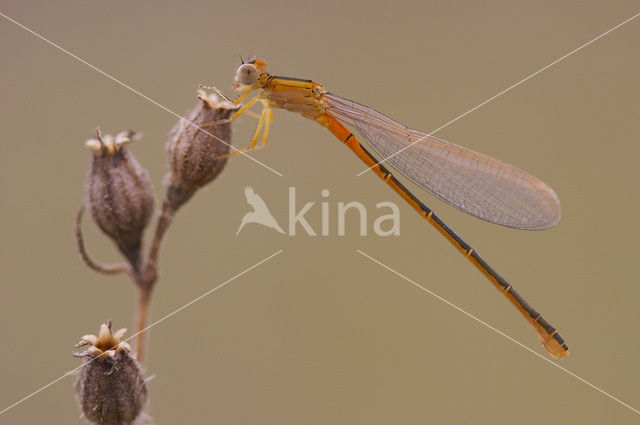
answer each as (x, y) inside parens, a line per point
(320, 334)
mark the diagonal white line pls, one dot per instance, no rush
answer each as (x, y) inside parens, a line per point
(501, 93)
(147, 328)
(109, 76)
(449, 303)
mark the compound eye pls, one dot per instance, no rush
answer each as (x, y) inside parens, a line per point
(248, 74)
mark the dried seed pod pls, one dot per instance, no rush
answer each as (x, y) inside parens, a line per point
(119, 193)
(110, 387)
(192, 153)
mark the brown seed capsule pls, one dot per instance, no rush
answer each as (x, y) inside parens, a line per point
(119, 193)
(110, 387)
(192, 153)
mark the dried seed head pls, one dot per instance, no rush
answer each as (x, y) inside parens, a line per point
(192, 153)
(110, 387)
(119, 193)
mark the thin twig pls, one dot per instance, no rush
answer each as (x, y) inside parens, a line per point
(164, 221)
(95, 265)
(147, 278)
(142, 317)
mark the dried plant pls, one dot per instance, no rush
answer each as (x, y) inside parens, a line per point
(110, 388)
(120, 197)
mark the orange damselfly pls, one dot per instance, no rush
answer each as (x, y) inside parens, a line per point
(472, 182)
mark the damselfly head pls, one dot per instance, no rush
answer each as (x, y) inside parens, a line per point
(246, 75)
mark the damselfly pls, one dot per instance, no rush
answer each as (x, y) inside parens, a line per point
(472, 182)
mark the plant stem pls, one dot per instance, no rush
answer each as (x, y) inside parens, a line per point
(142, 317)
(89, 261)
(164, 221)
(147, 278)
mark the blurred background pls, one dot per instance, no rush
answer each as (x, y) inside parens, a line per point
(321, 334)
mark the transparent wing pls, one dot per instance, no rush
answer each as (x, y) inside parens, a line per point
(470, 181)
